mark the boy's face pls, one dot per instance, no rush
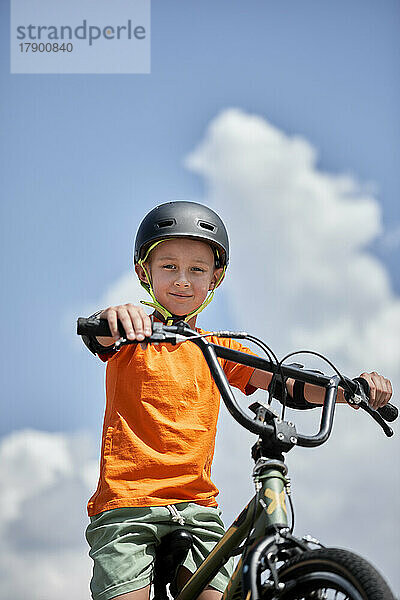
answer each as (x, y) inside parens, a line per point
(182, 273)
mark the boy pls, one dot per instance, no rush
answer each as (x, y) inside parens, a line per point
(162, 409)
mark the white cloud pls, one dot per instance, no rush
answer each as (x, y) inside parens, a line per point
(47, 479)
(125, 289)
(299, 238)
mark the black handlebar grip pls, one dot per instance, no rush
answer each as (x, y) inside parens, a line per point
(96, 327)
(389, 412)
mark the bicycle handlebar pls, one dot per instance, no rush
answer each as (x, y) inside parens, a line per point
(389, 412)
(181, 332)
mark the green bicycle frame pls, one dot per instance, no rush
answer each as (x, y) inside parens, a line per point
(266, 509)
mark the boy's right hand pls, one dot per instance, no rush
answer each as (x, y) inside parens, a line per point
(135, 321)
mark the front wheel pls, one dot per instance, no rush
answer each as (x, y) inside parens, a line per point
(331, 574)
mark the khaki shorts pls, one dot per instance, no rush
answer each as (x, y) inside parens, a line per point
(123, 541)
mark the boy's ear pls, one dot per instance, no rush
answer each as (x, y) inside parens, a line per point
(140, 272)
(215, 278)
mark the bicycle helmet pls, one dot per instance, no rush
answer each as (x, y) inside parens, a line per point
(175, 220)
(183, 219)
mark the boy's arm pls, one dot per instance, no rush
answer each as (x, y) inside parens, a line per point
(380, 388)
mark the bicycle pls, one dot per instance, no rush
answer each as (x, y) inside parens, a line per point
(274, 564)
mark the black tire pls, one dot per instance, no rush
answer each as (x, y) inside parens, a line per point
(331, 574)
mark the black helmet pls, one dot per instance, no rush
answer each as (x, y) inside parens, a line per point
(183, 219)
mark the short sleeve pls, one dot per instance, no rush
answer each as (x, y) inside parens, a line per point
(239, 375)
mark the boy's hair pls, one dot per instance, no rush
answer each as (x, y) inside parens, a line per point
(180, 219)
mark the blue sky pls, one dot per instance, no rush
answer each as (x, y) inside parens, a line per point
(84, 157)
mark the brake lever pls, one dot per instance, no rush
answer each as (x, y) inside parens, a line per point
(377, 417)
(360, 398)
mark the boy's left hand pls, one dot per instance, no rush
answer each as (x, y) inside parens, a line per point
(380, 389)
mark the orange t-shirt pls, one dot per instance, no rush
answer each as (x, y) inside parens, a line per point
(160, 424)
